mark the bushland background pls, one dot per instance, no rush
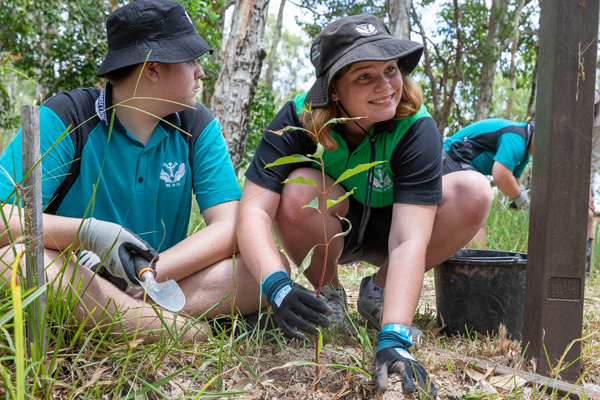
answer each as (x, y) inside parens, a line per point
(480, 61)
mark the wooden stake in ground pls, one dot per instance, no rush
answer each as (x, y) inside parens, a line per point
(561, 184)
(32, 201)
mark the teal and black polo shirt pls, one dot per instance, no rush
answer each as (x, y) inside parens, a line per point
(484, 142)
(411, 147)
(147, 189)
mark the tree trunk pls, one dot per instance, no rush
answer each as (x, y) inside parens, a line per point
(513, 64)
(239, 74)
(531, 105)
(217, 55)
(273, 53)
(490, 56)
(399, 14)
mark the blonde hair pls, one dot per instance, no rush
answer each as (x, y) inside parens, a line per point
(410, 103)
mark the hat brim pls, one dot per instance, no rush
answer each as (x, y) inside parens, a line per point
(407, 52)
(171, 51)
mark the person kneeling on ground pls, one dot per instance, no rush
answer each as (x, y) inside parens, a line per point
(406, 218)
(137, 150)
(496, 147)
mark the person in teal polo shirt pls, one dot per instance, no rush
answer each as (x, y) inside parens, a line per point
(497, 147)
(406, 218)
(122, 181)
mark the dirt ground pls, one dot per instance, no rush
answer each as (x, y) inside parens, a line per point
(288, 372)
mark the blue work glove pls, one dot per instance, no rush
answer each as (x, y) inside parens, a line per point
(393, 356)
(116, 246)
(293, 305)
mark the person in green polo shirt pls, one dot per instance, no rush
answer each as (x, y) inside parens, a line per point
(122, 181)
(406, 218)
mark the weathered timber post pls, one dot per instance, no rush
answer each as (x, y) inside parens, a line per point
(34, 243)
(561, 183)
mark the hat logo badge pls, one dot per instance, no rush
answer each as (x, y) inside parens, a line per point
(366, 29)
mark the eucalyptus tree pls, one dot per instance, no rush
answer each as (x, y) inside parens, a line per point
(238, 77)
(60, 43)
(466, 48)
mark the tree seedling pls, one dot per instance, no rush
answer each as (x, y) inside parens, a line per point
(323, 205)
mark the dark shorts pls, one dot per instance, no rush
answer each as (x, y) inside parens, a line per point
(374, 248)
(452, 165)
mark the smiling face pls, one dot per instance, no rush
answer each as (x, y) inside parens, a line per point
(369, 89)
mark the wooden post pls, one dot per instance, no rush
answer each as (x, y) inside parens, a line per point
(561, 184)
(32, 202)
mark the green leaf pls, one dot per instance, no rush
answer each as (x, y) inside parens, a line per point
(331, 203)
(296, 158)
(319, 152)
(349, 227)
(306, 261)
(288, 129)
(314, 203)
(342, 120)
(301, 180)
(320, 342)
(356, 170)
(9, 315)
(307, 108)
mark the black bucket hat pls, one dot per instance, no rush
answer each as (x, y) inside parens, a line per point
(159, 27)
(353, 39)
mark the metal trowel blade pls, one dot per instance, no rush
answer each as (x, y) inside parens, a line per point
(167, 294)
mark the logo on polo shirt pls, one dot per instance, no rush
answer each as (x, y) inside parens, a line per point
(366, 29)
(381, 180)
(172, 176)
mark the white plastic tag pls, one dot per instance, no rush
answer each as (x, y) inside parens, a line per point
(404, 353)
(281, 295)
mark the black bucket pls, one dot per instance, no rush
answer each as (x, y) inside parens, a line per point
(477, 290)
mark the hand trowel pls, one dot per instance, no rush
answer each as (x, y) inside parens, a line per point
(167, 294)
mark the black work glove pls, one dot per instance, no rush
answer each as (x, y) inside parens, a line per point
(116, 246)
(398, 360)
(299, 306)
(293, 305)
(393, 357)
(93, 262)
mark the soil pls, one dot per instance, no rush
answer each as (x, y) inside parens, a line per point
(288, 372)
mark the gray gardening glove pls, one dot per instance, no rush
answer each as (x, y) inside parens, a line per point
(115, 244)
(521, 200)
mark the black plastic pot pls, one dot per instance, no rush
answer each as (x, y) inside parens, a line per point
(477, 290)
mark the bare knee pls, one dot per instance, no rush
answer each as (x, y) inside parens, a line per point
(294, 197)
(468, 193)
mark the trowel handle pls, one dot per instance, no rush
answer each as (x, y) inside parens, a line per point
(142, 266)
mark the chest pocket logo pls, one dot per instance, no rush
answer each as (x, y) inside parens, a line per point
(381, 180)
(171, 176)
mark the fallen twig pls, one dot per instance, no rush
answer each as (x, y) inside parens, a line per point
(562, 388)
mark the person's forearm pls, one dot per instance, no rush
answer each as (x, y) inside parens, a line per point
(258, 246)
(404, 282)
(210, 245)
(509, 187)
(59, 232)
(505, 180)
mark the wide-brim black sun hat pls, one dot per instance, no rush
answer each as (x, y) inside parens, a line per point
(160, 28)
(354, 39)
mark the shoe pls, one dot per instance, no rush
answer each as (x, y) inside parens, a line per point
(371, 309)
(337, 301)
